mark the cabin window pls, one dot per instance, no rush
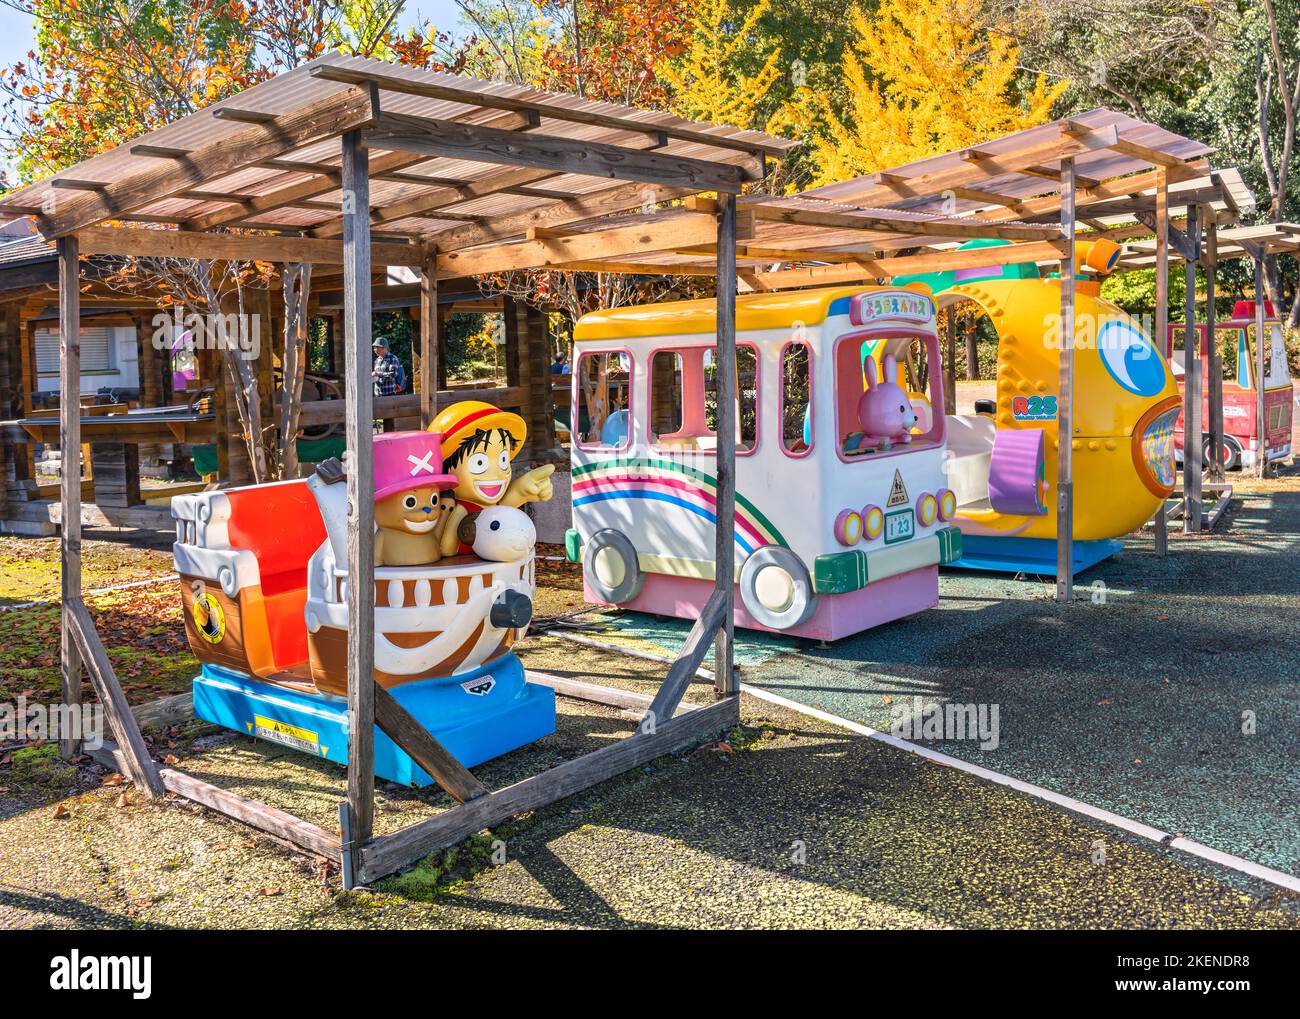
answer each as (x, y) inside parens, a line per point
(684, 399)
(796, 399)
(916, 359)
(97, 349)
(602, 404)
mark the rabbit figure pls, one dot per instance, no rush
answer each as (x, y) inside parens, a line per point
(884, 410)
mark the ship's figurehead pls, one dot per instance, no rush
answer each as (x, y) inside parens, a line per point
(479, 445)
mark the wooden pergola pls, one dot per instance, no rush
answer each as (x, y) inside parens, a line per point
(359, 164)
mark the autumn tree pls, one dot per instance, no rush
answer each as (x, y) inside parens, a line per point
(708, 80)
(922, 77)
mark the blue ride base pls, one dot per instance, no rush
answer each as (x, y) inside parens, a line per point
(477, 715)
(1028, 555)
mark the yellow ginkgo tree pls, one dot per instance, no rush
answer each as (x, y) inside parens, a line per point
(706, 80)
(921, 77)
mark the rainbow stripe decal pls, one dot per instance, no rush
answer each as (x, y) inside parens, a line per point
(665, 481)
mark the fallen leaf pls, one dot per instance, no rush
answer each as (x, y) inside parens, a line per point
(268, 891)
(60, 811)
(887, 699)
(1104, 701)
(171, 759)
(725, 748)
(121, 801)
(6, 759)
(1137, 760)
(116, 778)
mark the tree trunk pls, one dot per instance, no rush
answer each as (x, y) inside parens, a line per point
(297, 290)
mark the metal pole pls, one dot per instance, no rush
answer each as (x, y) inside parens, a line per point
(1215, 359)
(1193, 431)
(1065, 399)
(1162, 320)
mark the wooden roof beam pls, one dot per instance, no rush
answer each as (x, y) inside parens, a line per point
(666, 233)
(328, 117)
(977, 165)
(228, 247)
(554, 110)
(863, 220)
(906, 265)
(574, 209)
(455, 140)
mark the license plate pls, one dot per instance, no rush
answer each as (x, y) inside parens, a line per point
(899, 526)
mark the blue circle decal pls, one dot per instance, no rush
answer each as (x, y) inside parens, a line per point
(1130, 357)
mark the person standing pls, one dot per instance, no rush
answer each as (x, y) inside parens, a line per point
(387, 373)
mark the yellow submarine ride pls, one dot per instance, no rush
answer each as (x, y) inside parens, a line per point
(1125, 409)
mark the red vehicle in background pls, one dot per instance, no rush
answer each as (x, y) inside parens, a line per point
(1236, 338)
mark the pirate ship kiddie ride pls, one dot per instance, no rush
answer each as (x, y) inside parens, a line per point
(263, 573)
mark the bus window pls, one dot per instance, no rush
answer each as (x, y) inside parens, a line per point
(796, 393)
(921, 387)
(684, 403)
(602, 413)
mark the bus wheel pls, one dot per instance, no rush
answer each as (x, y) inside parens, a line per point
(776, 589)
(1231, 453)
(610, 568)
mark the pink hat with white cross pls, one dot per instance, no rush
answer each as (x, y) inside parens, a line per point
(406, 460)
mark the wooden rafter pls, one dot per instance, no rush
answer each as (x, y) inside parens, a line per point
(556, 111)
(321, 119)
(456, 140)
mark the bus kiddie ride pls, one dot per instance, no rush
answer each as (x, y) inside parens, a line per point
(1125, 405)
(264, 575)
(1241, 388)
(842, 509)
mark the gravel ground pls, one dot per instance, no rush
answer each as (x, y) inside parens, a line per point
(1133, 699)
(797, 824)
(794, 823)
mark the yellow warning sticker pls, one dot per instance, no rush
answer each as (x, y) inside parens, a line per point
(286, 734)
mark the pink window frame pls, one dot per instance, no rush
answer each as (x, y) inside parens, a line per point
(939, 431)
(780, 398)
(575, 394)
(652, 438)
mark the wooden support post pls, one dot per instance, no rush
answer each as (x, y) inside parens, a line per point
(359, 432)
(537, 380)
(1192, 425)
(70, 472)
(1162, 318)
(430, 330)
(1215, 359)
(1261, 414)
(724, 677)
(1065, 399)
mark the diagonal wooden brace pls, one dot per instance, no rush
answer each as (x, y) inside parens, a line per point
(140, 768)
(682, 671)
(398, 725)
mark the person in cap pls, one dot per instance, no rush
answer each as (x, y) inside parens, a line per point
(479, 444)
(387, 372)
